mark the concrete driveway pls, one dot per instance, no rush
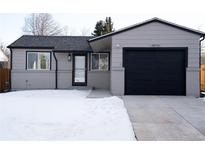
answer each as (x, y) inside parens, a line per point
(166, 117)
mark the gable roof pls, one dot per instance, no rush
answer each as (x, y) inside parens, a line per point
(147, 22)
(56, 43)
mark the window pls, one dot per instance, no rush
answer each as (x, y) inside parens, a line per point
(100, 61)
(38, 60)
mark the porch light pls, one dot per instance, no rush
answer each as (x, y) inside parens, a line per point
(69, 57)
(117, 45)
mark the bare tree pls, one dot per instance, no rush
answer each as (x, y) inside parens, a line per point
(41, 24)
(68, 31)
(85, 31)
(4, 49)
(65, 31)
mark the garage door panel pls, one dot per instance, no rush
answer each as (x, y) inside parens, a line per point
(154, 72)
(144, 82)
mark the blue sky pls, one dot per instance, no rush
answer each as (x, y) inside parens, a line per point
(11, 24)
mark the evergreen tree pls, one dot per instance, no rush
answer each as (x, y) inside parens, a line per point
(103, 27)
(99, 28)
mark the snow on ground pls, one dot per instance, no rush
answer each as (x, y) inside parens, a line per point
(62, 115)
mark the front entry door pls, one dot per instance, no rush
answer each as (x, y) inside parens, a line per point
(79, 70)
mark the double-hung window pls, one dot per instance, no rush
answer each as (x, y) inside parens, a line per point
(100, 61)
(38, 60)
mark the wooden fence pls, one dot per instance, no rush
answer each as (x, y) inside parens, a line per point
(4, 79)
(202, 77)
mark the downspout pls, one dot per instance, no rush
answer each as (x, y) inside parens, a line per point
(56, 71)
(203, 37)
(11, 65)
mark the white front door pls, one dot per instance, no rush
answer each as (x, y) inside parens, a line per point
(79, 70)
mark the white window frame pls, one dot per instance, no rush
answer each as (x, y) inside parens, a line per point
(38, 55)
(99, 53)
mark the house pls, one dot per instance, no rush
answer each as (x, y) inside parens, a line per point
(155, 57)
(203, 58)
(3, 60)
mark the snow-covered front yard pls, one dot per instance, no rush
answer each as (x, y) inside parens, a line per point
(62, 115)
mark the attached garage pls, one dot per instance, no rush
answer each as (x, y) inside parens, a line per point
(155, 71)
(154, 57)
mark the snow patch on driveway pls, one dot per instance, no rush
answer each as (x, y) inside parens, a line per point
(62, 115)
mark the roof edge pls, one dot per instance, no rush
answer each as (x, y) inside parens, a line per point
(155, 19)
(9, 46)
(46, 47)
(29, 47)
(71, 50)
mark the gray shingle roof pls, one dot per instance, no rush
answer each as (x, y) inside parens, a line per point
(57, 43)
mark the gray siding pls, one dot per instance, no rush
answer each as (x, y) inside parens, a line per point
(19, 58)
(22, 79)
(155, 34)
(28, 79)
(99, 79)
(64, 71)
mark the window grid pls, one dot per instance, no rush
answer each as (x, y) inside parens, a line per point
(99, 61)
(38, 65)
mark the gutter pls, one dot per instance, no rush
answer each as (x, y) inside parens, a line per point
(11, 65)
(200, 50)
(203, 37)
(56, 71)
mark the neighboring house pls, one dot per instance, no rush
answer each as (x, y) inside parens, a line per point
(155, 57)
(3, 60)
(203, 58)
(202, 71)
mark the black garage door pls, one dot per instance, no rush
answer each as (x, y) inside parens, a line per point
(154, 71)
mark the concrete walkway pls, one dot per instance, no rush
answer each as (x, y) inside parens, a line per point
(166, 117)
(99, 93)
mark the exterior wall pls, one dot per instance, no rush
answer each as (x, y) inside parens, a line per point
(99, 79)
(32, 80)
(29, 79)
(160, 35)
(64, 71)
